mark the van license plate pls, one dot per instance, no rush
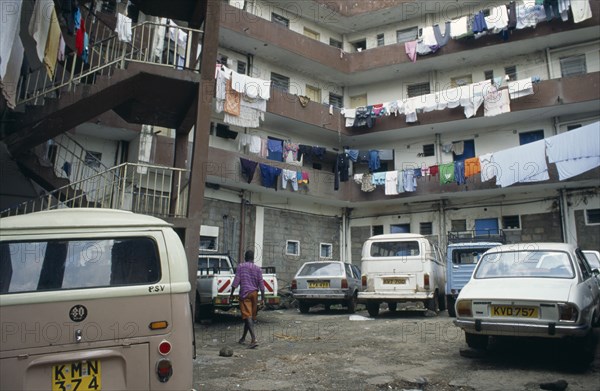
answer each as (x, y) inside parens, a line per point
(394, 281)
(514, 311)
(318, 284)
(77, 376)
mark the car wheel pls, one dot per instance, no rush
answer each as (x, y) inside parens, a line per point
(450, 306)
(327, 307)
(393, 306)
(304, 307)
(441, 302)
(476, 341)
(352, 304)
(373, 309)
(433, 304)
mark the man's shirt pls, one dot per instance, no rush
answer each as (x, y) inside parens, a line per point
(249, 278)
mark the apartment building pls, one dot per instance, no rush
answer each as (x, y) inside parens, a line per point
(362, 90)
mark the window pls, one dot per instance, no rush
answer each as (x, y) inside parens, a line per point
(406, 35)
(418, 89)
(209, 238)
(571, 127)
(511, 72)
(377, 230)
(460, 81)
(78, 263)
(360, 45)
(222, 59)
(592, 216)
(574, 65)
(511, 222)
(336, 100)
(312, 34)
(426, 228)
(280, 20)
(395, 249)
(429, 150)
(400, 228)
(380, 40)
(463, 150)
(458, 225)
(241, 67)
(326, 250)
(335, 43)
(488, 75)
(358, 101)
(280, 81)
(93, 159)
(313, 93)
(529, 137)
(292, 247)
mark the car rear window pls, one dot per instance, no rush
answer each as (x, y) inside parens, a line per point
(465, 256)
(395, 249)
(548, 264)
(29, 266)
(321, 269)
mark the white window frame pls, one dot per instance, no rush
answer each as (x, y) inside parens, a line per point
(586, 217)
(212, 232)
(287, 243)
(323, 246)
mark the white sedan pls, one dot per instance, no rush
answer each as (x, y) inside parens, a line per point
(530, 290)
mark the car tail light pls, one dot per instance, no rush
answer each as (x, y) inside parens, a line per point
(344, 283)
(164, 370)
(426, 281)
(363, 280)
(294, 284)
(164, 348)
(568, 312)
(464, 308)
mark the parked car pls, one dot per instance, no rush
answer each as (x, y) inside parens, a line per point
(326, 282)
(530, 290)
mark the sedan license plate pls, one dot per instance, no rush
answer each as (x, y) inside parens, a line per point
(514, 311)
(318, 284)
(394, 281)
(77, 376)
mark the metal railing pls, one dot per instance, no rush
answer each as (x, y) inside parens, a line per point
(153, 43)
(141, 188)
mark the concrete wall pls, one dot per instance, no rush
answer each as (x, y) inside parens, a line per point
(588, 235)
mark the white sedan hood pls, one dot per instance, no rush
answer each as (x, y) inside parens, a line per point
(523, 289)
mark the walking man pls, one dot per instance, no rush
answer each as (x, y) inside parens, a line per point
(249, 278)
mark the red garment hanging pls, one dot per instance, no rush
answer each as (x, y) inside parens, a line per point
(79, 38)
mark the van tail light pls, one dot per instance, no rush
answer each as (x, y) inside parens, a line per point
(464, 308)
(568, 312)
(164, 348)
(164, 370)
(363, 280)
(344, 283)
(294, 285)
(426, 281)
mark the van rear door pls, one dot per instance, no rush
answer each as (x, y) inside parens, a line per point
(82, 308)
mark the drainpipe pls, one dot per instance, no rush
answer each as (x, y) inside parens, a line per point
(567, 235)
(438, 148)
(556, 126)
(242, 225)
(549, 64)
(343, 237)
(442, 223)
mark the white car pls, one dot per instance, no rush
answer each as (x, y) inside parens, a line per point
(530, 290)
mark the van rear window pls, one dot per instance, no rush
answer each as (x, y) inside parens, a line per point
(74, 264)
(395, 249)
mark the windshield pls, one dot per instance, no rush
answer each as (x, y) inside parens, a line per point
(552, 264)
(321, 269)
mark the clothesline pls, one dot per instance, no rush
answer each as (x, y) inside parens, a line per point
(573, 152)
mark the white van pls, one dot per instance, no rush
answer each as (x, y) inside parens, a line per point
(402, 268)
(93, 299)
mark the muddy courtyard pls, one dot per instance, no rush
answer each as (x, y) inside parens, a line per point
(402, 350)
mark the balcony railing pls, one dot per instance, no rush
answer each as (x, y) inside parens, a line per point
(142, 188)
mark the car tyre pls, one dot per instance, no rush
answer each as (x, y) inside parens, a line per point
(352, 302)
(304, 307)
(393, 306)
(441, 302)
(373, 309)
(477, 341)
(433, 303)
(450, 302)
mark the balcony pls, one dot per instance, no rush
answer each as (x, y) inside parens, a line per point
(247, 33)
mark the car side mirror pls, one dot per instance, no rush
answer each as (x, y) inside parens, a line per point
(596, 272)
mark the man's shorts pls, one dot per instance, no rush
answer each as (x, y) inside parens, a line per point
(249, 305)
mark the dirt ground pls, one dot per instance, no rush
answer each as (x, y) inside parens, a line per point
(403, 350)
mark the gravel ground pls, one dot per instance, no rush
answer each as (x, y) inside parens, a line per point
(403, 350)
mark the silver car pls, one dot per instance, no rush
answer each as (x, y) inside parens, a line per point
(530, 290)
(327, 282)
